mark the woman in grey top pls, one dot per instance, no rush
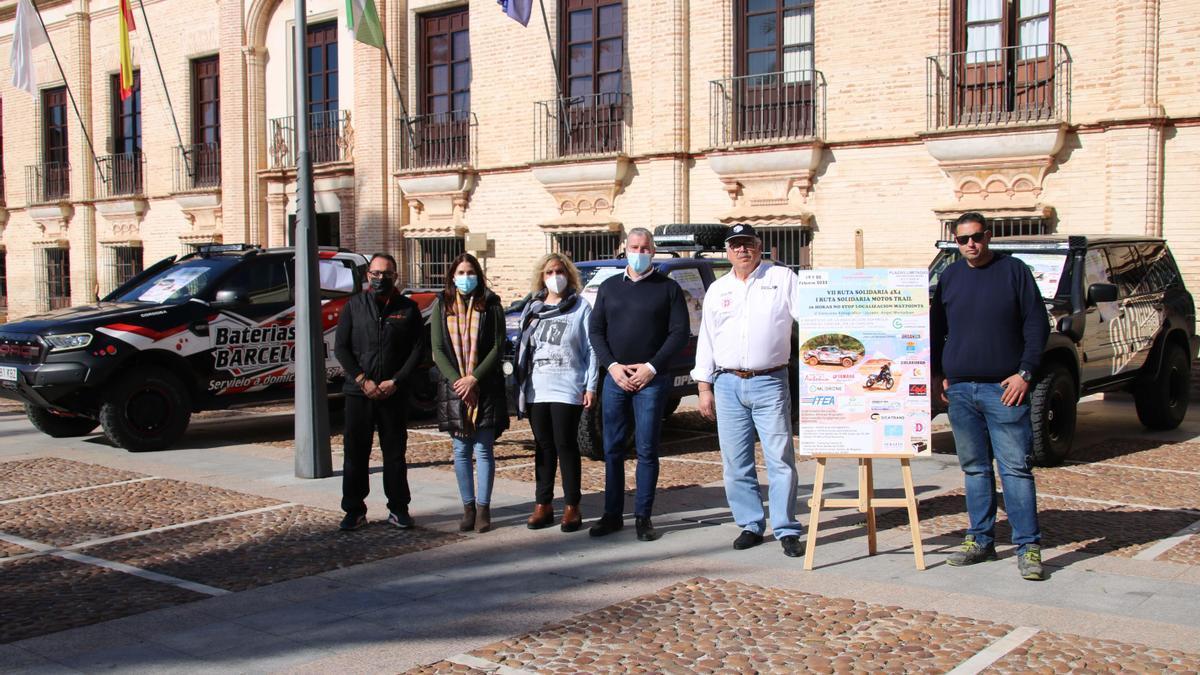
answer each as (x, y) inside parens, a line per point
(556, 379)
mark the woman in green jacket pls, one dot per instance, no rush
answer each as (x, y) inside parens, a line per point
(467, 330)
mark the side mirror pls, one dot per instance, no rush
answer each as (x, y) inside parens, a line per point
(228, 298)
(1098, 293)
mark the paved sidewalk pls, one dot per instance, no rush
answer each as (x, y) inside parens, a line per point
(214, 557)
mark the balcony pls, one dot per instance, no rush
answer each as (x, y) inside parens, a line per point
(996, 88)
(330, 139)
(47, 183)
(120, 175)
(437, 141)
(197, 167)
(582, 126)
(771, 108)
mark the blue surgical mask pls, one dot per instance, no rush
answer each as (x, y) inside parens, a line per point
(638, 262)
(466, 283)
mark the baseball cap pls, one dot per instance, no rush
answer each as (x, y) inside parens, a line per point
(740, 230)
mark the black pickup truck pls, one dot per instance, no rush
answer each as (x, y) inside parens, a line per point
(1120, 318)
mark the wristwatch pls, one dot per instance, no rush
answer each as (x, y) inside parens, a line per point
(1025, 375)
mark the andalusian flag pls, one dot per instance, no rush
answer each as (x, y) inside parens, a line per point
(125, 17)
(363, 22)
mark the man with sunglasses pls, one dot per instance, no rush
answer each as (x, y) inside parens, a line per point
(989, 327)
(741, 371)
(379, 341)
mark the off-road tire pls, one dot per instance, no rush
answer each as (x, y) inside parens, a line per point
(847, 362)
(58, 426)
(1053, 403)
(812, 361)
(1162, 401)
(147, 409)
(706, 235)
(889, 383)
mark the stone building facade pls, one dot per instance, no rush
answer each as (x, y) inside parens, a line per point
(844, 131)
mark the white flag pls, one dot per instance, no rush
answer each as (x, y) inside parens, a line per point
(27, 34)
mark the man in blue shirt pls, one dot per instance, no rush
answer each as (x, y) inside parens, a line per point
(989, 327)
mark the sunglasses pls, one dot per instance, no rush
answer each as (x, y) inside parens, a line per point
(977, 237)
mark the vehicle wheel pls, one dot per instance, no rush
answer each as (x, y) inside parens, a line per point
(1053, 403)
(870, 382)
(148, 409)
(812, 360)
(1162, 402)
(58, 426)
(422, 395)
(706, 234)
(847, 362)
(591, 433)
(889, 383)
(671, 407)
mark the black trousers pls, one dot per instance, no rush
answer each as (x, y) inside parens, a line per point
(363, 417)
(555, 426)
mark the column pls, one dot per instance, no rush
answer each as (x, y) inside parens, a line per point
(347, 234)
(277, 219)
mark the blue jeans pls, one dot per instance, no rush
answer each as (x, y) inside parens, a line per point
(645, 407)
(984, 428)
(485, 466)
(761, 404)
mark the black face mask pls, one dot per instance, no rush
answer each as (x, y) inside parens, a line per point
(382, 286)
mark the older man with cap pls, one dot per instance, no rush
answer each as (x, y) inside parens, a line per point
(741, 370)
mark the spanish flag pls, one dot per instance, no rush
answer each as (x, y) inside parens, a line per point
(125, 17)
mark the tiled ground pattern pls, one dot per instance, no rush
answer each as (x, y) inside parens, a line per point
(1120, 484)
(713, 626)
(46, 594)
(28, 477)
(705, 626)
(265, 548)
(1053, 653)
(1066, 524)
(1186, 552)
(1144, 452)
(446, 668)
(7, 549)
(80, 516)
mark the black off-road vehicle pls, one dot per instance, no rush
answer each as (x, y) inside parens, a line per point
(210, 330)
(1121, 320)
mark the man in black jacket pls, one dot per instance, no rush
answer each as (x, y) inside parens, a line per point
(638, 324)
(379, 341)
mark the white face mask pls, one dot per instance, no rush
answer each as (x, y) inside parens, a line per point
(556, 283)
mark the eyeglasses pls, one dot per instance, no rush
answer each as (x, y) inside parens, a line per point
(976, 237)
(375, 274)
(748, 245)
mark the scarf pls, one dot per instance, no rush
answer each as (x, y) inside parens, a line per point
(535, 310)
(463, 326)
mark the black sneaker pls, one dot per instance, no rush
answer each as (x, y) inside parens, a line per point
(606, 525)
(747, 539)
(645, 529)
(1029, 563)
(401, 520)
(970, 553)
(353, 522)
(792, 546)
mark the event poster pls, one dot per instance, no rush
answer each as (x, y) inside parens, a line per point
(864, 362)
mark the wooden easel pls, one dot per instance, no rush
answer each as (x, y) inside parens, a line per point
(866, 503)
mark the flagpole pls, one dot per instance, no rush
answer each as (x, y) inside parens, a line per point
(67, 85)
(412, 143)
(162, 78)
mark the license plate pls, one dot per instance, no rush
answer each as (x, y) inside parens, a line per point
(8, 374)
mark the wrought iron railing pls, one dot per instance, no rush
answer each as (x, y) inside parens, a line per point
(437, 140)
(120, 175)
(782, 106)
(998, 87)
(330, 138)
(595, 124)
(47, 182)
(197, 167)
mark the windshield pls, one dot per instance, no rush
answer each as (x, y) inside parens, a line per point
(1048, 268)
(178, 283)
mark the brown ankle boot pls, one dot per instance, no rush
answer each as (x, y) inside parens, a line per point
(572, 518)
(543, 516)
(483, 518)
(468, 519)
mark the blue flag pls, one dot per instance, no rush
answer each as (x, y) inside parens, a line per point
(518, 10)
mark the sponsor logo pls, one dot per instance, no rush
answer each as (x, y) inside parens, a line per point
(893, 430)
(29, 352)
(910, 336)
(819, 400)
(918, 390)
(825, 388)
(161, 311)
(885, 405)
(237, 347)
(910, 347)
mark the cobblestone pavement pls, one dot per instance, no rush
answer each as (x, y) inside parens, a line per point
(119, 543)
(714, 626)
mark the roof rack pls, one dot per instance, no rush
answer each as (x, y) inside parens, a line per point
(207, 250)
